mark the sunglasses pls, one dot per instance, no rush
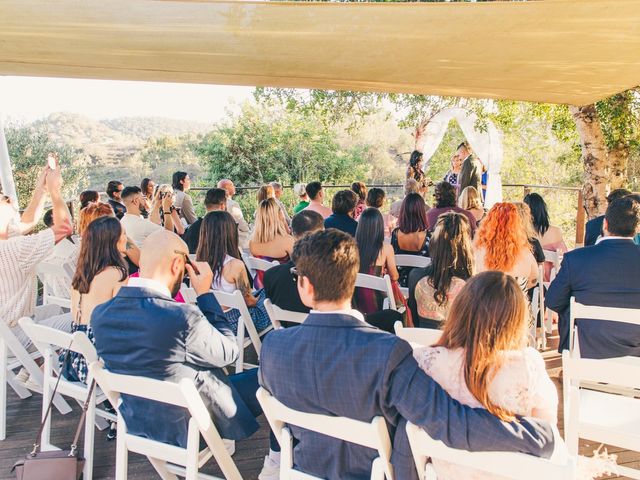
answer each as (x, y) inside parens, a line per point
(187, 260)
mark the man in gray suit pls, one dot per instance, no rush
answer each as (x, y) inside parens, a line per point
(471, 173)
(336, 364)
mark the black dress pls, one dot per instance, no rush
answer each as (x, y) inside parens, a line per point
(423, 252)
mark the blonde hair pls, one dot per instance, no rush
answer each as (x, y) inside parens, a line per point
(162, 188)
(264, 192)
(525, 215)
(469, 199)
(270, 222)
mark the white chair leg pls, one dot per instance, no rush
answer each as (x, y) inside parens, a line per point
(89, 438)
(122, 454)
(3, 389)
(240, 340)
(47, 389)
(161, 467)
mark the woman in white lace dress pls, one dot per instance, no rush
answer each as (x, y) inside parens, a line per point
(482, 359)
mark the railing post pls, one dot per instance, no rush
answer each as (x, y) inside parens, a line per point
(526, 190)
(580, 220)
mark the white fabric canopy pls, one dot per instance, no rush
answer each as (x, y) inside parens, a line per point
(487, 145)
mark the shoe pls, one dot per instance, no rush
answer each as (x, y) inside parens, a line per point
(270, 470)
(230, 445)
(22, 376)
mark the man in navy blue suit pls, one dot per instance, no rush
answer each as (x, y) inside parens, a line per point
(606, 274)
(593, 228)
(336, 364)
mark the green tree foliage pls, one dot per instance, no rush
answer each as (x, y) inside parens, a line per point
(263, 144)
(28, 149)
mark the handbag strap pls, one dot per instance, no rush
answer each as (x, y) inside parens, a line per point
(85, 406)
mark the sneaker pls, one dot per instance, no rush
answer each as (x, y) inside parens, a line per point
(22, 376)
(270, 470)
(230, 445)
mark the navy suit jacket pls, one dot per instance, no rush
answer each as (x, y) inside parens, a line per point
(607, 275)
(144, 333)
(335, 364)
(341, 222)
(593, 229)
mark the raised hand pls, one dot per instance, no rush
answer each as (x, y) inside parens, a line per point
(202, 281)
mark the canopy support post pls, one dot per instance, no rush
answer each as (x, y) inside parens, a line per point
(6, 172)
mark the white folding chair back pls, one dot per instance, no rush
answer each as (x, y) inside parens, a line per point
(412, 261)
(189, 294)
(277, 315)
(168, 460)
(517, 466)
(538, 336)
(381, 284)
(372, 435)
(601, 416)
(254, 264)
(48, 341)
(20, 358)
(555, 258)
(47, 271)
(592, 312)
(422, 336)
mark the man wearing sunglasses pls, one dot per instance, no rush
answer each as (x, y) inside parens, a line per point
(142, 331)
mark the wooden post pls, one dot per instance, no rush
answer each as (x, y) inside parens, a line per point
(580, 221)
(6, 173)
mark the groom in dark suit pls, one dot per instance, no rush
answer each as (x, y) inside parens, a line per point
(608, 275)
(336, 364)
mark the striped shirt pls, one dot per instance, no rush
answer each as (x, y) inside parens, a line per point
(19, 257)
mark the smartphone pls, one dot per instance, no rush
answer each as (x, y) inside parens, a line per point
(52, 160)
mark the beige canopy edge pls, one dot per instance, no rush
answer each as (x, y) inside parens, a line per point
(561, 51)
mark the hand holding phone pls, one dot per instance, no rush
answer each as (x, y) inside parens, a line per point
(52, 160)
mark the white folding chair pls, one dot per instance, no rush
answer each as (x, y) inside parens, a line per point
(592, 312)
(168, 460)
(254, 264)
(372, 435)
(48, 341)
(47, 273)
(539, 337)
(517, 466)
(235, 300)
(380, 284)
(277, 315)
(20, 359)
(601, 416)
(556, 259)
(414, 261)
(423, 336)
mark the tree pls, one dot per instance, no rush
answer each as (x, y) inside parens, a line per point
(28, 148)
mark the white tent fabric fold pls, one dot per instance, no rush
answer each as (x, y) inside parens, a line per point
(560, 51)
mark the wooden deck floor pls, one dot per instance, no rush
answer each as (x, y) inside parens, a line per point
(23, 417)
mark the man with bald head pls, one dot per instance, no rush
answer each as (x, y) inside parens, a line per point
(234, 209)
(142, 331)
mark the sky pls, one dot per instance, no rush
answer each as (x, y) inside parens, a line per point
(30, 98)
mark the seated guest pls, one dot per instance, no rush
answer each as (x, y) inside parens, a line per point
(343, 207)
(163, 209)
(636, 197)
(353, 370)
(215, 200)
(432, 290)
(143, 332)
(21, 254)
(411, 237)
(549, 235)
(607, 275)
(376, 258)
(315, 193)
(114, 189)
(502, 245)
(410, 186)
(445, 197)
(138, 228)
(277, 191)
(303, 199)
(100, 273)
(87, 197)
(360, 189)
(376, 198)
(234, 209)
(271, 239)
(279, 282)
(525, 218)
(181, 184)
(593, 228)
(147, 186)
(218, 246)
(482, 360)
(470, 200)
(264, 192)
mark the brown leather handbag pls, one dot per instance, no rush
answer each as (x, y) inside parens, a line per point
(54, 465)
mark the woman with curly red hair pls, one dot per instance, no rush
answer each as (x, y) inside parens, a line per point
(502, 244)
